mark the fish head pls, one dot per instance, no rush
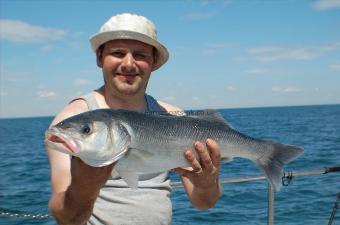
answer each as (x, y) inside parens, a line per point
(94, 137)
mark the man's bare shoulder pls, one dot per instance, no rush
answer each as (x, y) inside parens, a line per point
(172, 109)
(73, 108)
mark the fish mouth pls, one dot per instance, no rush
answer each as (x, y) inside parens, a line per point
(54, 138)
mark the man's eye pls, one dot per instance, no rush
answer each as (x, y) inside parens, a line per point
(140, 56)
(117, 54)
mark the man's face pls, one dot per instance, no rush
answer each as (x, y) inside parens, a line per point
(127, 66)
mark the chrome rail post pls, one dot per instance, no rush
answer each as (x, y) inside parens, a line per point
(271, 201)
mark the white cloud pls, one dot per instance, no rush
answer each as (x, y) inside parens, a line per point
(75, 44)
(217, 45)
(276, 89)
(265, 49)
(77, 35)
(3, 93)
(46, 48)
(46, 94)
(274, 53)
(168, 98)
(231, 88)
(213, 48)
(20, 31)
(288, 89)
(208, 52)
(303, 53)
(326, 4)
(80, 82)
(204, 2)
(256, 71)
(291, 89)
(198, 16)
(335, 66)
(290, 54)
(179, 84)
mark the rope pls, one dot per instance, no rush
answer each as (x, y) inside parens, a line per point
(336, 206)
(25, 215)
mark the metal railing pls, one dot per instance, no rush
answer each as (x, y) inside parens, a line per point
(286, 179)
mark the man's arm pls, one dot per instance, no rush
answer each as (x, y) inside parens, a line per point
(75, 185)
(201, 180)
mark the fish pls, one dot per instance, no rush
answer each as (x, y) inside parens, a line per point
(151, 142)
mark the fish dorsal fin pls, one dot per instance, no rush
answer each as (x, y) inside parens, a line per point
(209, 115)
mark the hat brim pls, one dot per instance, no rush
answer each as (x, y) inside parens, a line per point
(100, 38)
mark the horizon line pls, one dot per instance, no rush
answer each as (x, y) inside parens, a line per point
(229, 108)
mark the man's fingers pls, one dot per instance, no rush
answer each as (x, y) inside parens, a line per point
(214, 150)
(209, 158)
(196, 166)
(205, 157)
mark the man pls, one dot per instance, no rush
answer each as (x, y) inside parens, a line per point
(127, 51)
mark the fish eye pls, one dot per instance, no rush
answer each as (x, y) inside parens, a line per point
(86, 129)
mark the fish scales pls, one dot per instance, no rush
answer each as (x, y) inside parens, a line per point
(168, 130)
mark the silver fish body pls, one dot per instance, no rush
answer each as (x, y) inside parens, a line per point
(152, 142)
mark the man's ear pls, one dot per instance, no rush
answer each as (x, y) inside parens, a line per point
(154, 65)
(155, 58)
(99, 56)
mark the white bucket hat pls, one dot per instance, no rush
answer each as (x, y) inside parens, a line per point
(134, 27)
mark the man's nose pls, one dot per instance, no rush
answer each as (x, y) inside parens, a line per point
(128, 63)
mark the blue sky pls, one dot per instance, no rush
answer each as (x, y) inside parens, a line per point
(223, 54)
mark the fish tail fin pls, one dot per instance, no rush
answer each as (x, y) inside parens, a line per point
(273, 162)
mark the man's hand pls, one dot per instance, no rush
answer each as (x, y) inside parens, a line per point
(204, 171)
(88, 178)
(74, 206)
(201, 180)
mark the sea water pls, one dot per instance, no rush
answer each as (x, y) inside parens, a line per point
(25, 180)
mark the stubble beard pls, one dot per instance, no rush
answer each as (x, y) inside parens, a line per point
(126, 88)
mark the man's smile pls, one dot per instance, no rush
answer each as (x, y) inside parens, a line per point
(127, 77)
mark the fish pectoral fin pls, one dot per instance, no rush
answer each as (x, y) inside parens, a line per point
(114, 173)
(138, 154)
(130, 177)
